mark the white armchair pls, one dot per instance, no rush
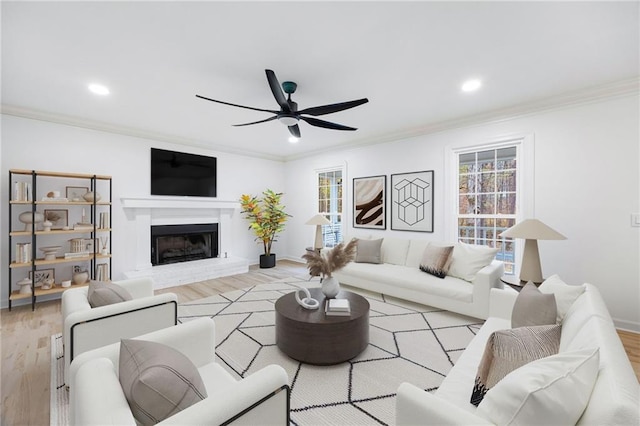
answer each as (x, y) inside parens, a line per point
(96, 397)
(85, 328)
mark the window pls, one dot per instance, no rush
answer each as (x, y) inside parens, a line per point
(488, 198)
(330, 205)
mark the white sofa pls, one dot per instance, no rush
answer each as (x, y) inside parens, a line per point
(85, 328)
(96, 397)
(587, 324)
(399, 276)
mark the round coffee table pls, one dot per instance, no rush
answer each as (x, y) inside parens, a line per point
(313, 337)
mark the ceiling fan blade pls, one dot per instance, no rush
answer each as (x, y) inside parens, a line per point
(239, 106)
(295, 130)
(256, 122)
(328, 109)
(274, 84)
(326, 124)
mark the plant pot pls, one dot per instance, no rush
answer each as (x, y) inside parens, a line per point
(267, 261)
(330, 287)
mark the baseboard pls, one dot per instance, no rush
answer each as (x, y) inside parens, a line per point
(630, 326)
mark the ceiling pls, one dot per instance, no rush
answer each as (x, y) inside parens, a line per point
(408, 58)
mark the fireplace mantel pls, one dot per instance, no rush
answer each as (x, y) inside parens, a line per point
(157, 210)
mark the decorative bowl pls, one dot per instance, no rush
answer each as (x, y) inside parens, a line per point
(90, 195)
(50, 252)
(26, 217)
(80, 277)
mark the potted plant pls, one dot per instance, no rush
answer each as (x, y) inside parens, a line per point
(266, 218)
(325, 264)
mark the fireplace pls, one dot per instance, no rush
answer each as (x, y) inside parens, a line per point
(183, 243)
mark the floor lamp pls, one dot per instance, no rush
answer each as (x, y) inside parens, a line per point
(318, 220)
(532, 230)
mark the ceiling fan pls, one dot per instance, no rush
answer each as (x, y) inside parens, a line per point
(289, 114)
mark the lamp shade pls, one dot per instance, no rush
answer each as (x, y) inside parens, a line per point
(532, 229)
(318, 220)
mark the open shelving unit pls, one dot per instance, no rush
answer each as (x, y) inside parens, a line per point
(26, 195)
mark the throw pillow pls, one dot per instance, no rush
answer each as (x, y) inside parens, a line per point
(468, 259)
(368, 251)
(549, 391)
(507, 350)
(532, 307)
(106, 293)
(565, 294)
(157, 380)
(436, 260)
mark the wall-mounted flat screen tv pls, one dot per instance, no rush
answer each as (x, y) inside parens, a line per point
(183, 174)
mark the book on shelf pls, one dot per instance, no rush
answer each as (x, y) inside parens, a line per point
(23, 252)
(22, 191)
(83, 226)
(76, 255)
(55, 199)
(104, 220)
(337, 307)
(102, 272)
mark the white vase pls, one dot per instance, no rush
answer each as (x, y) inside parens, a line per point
(330, 287)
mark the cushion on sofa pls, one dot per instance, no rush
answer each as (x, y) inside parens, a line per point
(368, 251)
(468, 259)
(415, 252)
(532, 307)
(550, 391)
(394, 251)
(507, 350)
(157, 380)
(102, 293)
(565, 294)
(436, 260)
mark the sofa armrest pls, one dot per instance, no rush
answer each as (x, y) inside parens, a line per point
(195, 339)
(97, 398)
(415, 406)
(259, 399)
(486, 279)
(502, 301)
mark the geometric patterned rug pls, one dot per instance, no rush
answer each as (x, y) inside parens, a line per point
(408, 342)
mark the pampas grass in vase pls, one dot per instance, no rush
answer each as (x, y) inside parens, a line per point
(325, 264)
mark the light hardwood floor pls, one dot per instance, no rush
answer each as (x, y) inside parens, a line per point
(25, 338)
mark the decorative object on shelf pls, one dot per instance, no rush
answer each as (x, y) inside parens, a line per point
(324, 264)
(104, 241)
(41, 276)
(21, 191)
(412, 201)
(318, 220)
(266, 218)
(23, 252)
(531, 230)
(46, 225)
(80, 277)
(75, 193)
(58, 217)
(369, 201)
(50, 252)
(65, 283)
(29, 217)
(89, 196)
(25, 286)
(48, 284)
(53, 194)
(307, 301)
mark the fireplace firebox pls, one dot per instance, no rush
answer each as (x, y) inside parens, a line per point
(183, 243)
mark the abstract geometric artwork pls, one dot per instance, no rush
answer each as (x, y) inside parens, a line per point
(412, 201)
(369, 201)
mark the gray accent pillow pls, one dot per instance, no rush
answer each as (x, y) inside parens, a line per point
(507, 350)
(532, 307)
(157, 380)
(436, 260)
(368, 251)
(106, 293)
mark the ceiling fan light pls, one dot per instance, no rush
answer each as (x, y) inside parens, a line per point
(288, 120)
(293, 139)
(471, 85)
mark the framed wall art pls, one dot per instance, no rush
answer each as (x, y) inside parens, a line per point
(41, 275)
(412, 201)
(58, 217)
(75, 193)
(369, 202)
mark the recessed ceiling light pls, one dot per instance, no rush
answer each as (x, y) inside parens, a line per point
(471, 85)
(99, 89)
(293, 139)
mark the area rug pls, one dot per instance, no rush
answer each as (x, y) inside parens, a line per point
(408, 342)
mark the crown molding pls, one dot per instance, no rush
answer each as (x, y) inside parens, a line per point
(620, 88)
(593, 94)
(127, 131)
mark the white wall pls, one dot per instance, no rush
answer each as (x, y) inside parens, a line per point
(39, 145)
(586, 186)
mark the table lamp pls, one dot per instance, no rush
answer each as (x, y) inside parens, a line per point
(531, 230)
(318, 220)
